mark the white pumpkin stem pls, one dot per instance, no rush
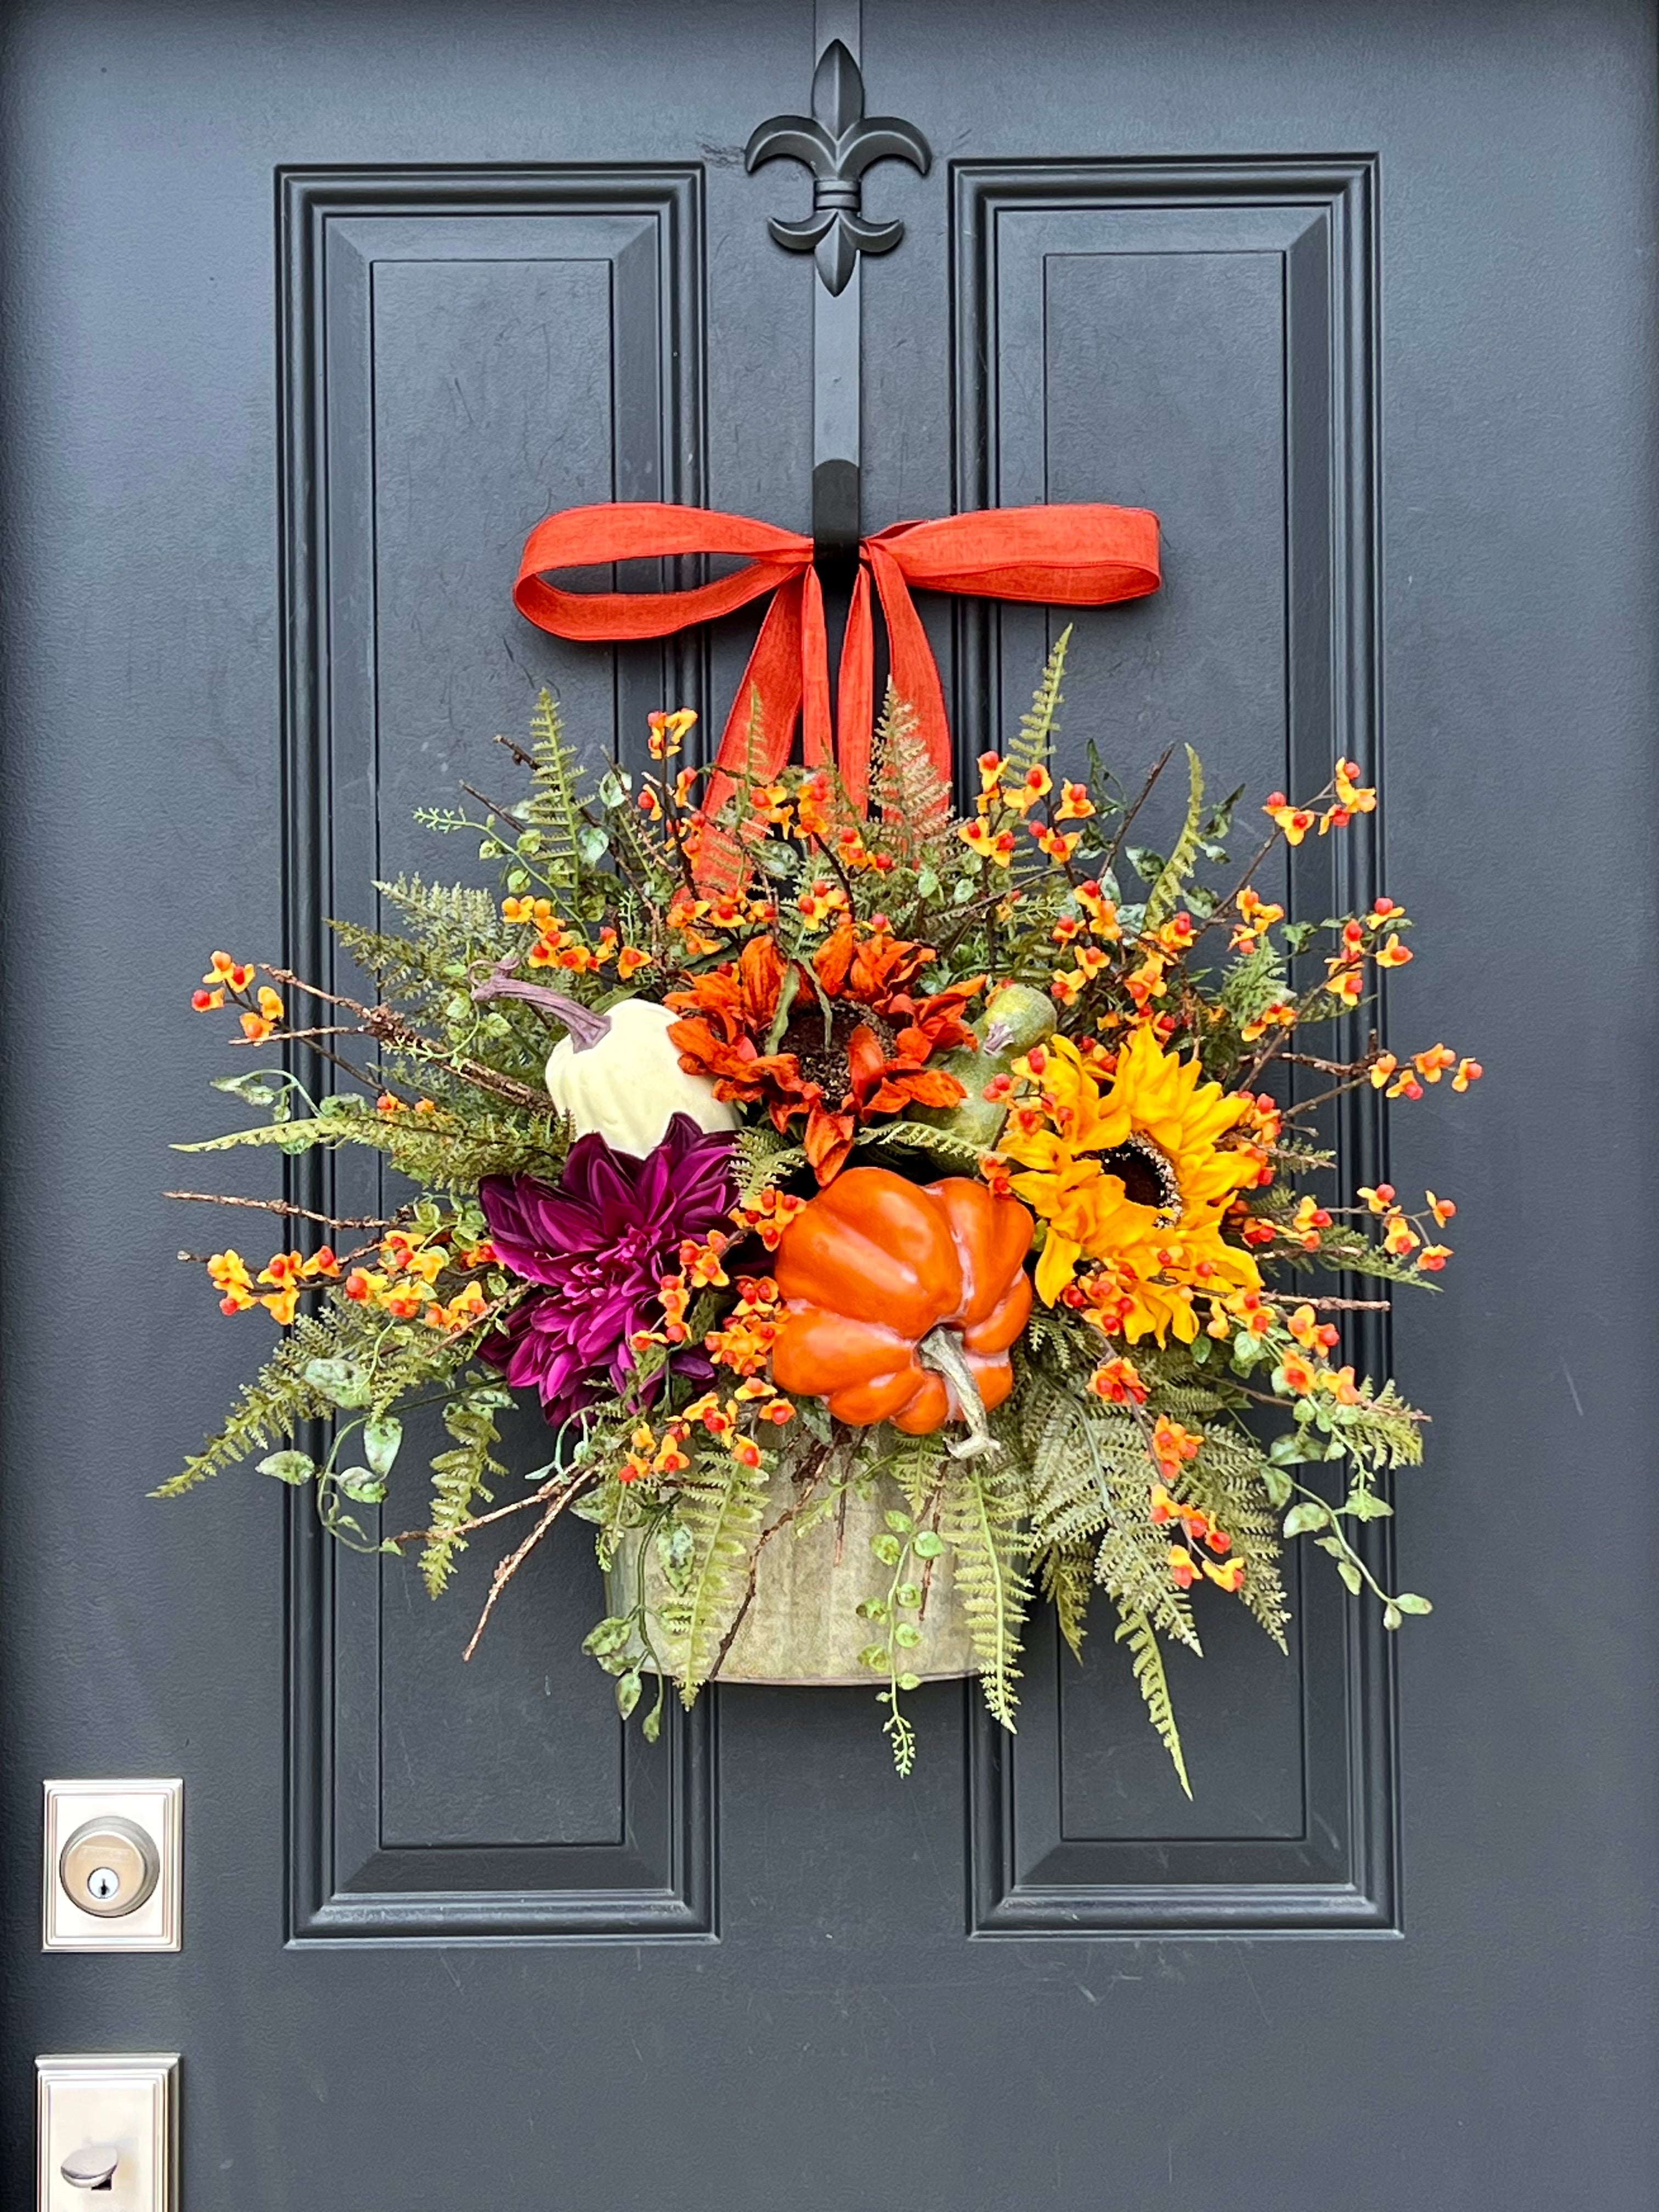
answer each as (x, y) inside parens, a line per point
(586, 1028)
(941, 1350)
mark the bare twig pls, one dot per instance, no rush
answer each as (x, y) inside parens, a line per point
(1153, 775)
(282, 1205)
(387, 1026)
(811, 1468)
(509, 1566)
(483, 1520)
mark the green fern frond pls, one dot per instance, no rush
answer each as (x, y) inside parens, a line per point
(760, 1158)
(918, 1137)
(980, 1521)
(1132, 1567)
(1033, 744)
(724, 1509)
(459, 1480)
(913, 793)
(556, 806)
(1066, 1579)
(1147, 1661)
(1172, 876)
(272, 1407)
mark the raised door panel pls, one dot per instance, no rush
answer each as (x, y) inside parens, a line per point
(1195, 338)
(462, 352)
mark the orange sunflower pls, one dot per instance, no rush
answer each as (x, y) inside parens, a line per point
(841, 1042)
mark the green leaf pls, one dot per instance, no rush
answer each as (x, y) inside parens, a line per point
(907, 1634)
(908, 1594)
(675, 1553)
(928, 1545)
(381, 1438)
(1277, 1484)
(291, 1466)
(1408, 1602)
(887, 1548)
(1365, 1505)
(343, 1382)
(900, 1523)
(1392, 1616)
(612, 1635)
(628, 1686)
(1351, 1575)
(1310, 1513)
(358, 1483)
(253, 1089)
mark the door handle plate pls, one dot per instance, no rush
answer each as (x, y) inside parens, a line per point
(108, 2111)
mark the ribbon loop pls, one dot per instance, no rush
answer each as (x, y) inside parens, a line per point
(1075, 556)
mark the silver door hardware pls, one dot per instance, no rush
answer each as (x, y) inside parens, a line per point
(92, 2168)
(112, 1868)
(108, 2125)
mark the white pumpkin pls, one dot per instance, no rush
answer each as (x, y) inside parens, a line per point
(628, 1084)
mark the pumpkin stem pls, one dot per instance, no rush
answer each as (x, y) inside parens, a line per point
(586, 1028)
(941, 1350)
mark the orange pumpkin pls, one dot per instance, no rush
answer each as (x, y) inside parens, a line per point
(881, 1279)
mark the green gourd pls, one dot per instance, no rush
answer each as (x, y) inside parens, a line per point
(1013, 1019)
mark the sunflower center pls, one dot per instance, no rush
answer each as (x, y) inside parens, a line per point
(1148, 1176)
(823, 1060)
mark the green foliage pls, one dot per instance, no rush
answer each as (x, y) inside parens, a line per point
(277, 1403)
(1067, 1580)
(1033, 744)
(1172, 876)
(723, 1503)
(918, 1137)
(912, 796)
(761, 1157)
(980, 1519)
(557, 807)
(1137, 1631)
(460, 1479)
(1091, 1478)
(454, 1152)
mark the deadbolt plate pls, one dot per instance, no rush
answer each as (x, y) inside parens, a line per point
(112, 1866)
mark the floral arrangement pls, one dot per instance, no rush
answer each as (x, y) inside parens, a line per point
(795, 1160)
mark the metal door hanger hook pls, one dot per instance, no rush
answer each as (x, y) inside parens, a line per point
(837, 142)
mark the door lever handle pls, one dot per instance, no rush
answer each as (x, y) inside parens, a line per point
(92, 2167)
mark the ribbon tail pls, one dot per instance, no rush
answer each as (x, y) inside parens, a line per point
(855, 698)
(816, 740)
(916, 672)
(759, 731)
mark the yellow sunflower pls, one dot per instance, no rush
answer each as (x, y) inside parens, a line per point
(1133, 1176)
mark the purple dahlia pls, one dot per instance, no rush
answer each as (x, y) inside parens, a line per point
(599, 1244)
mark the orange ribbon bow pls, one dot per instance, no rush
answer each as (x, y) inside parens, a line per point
(1060, 556)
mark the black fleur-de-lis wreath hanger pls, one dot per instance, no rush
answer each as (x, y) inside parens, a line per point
(837, 142)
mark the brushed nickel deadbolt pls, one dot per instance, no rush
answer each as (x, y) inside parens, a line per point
(109, 1868)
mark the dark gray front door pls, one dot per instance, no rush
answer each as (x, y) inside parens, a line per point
(310, 313)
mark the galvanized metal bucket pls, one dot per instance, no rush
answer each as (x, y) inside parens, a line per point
(802, 1625)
